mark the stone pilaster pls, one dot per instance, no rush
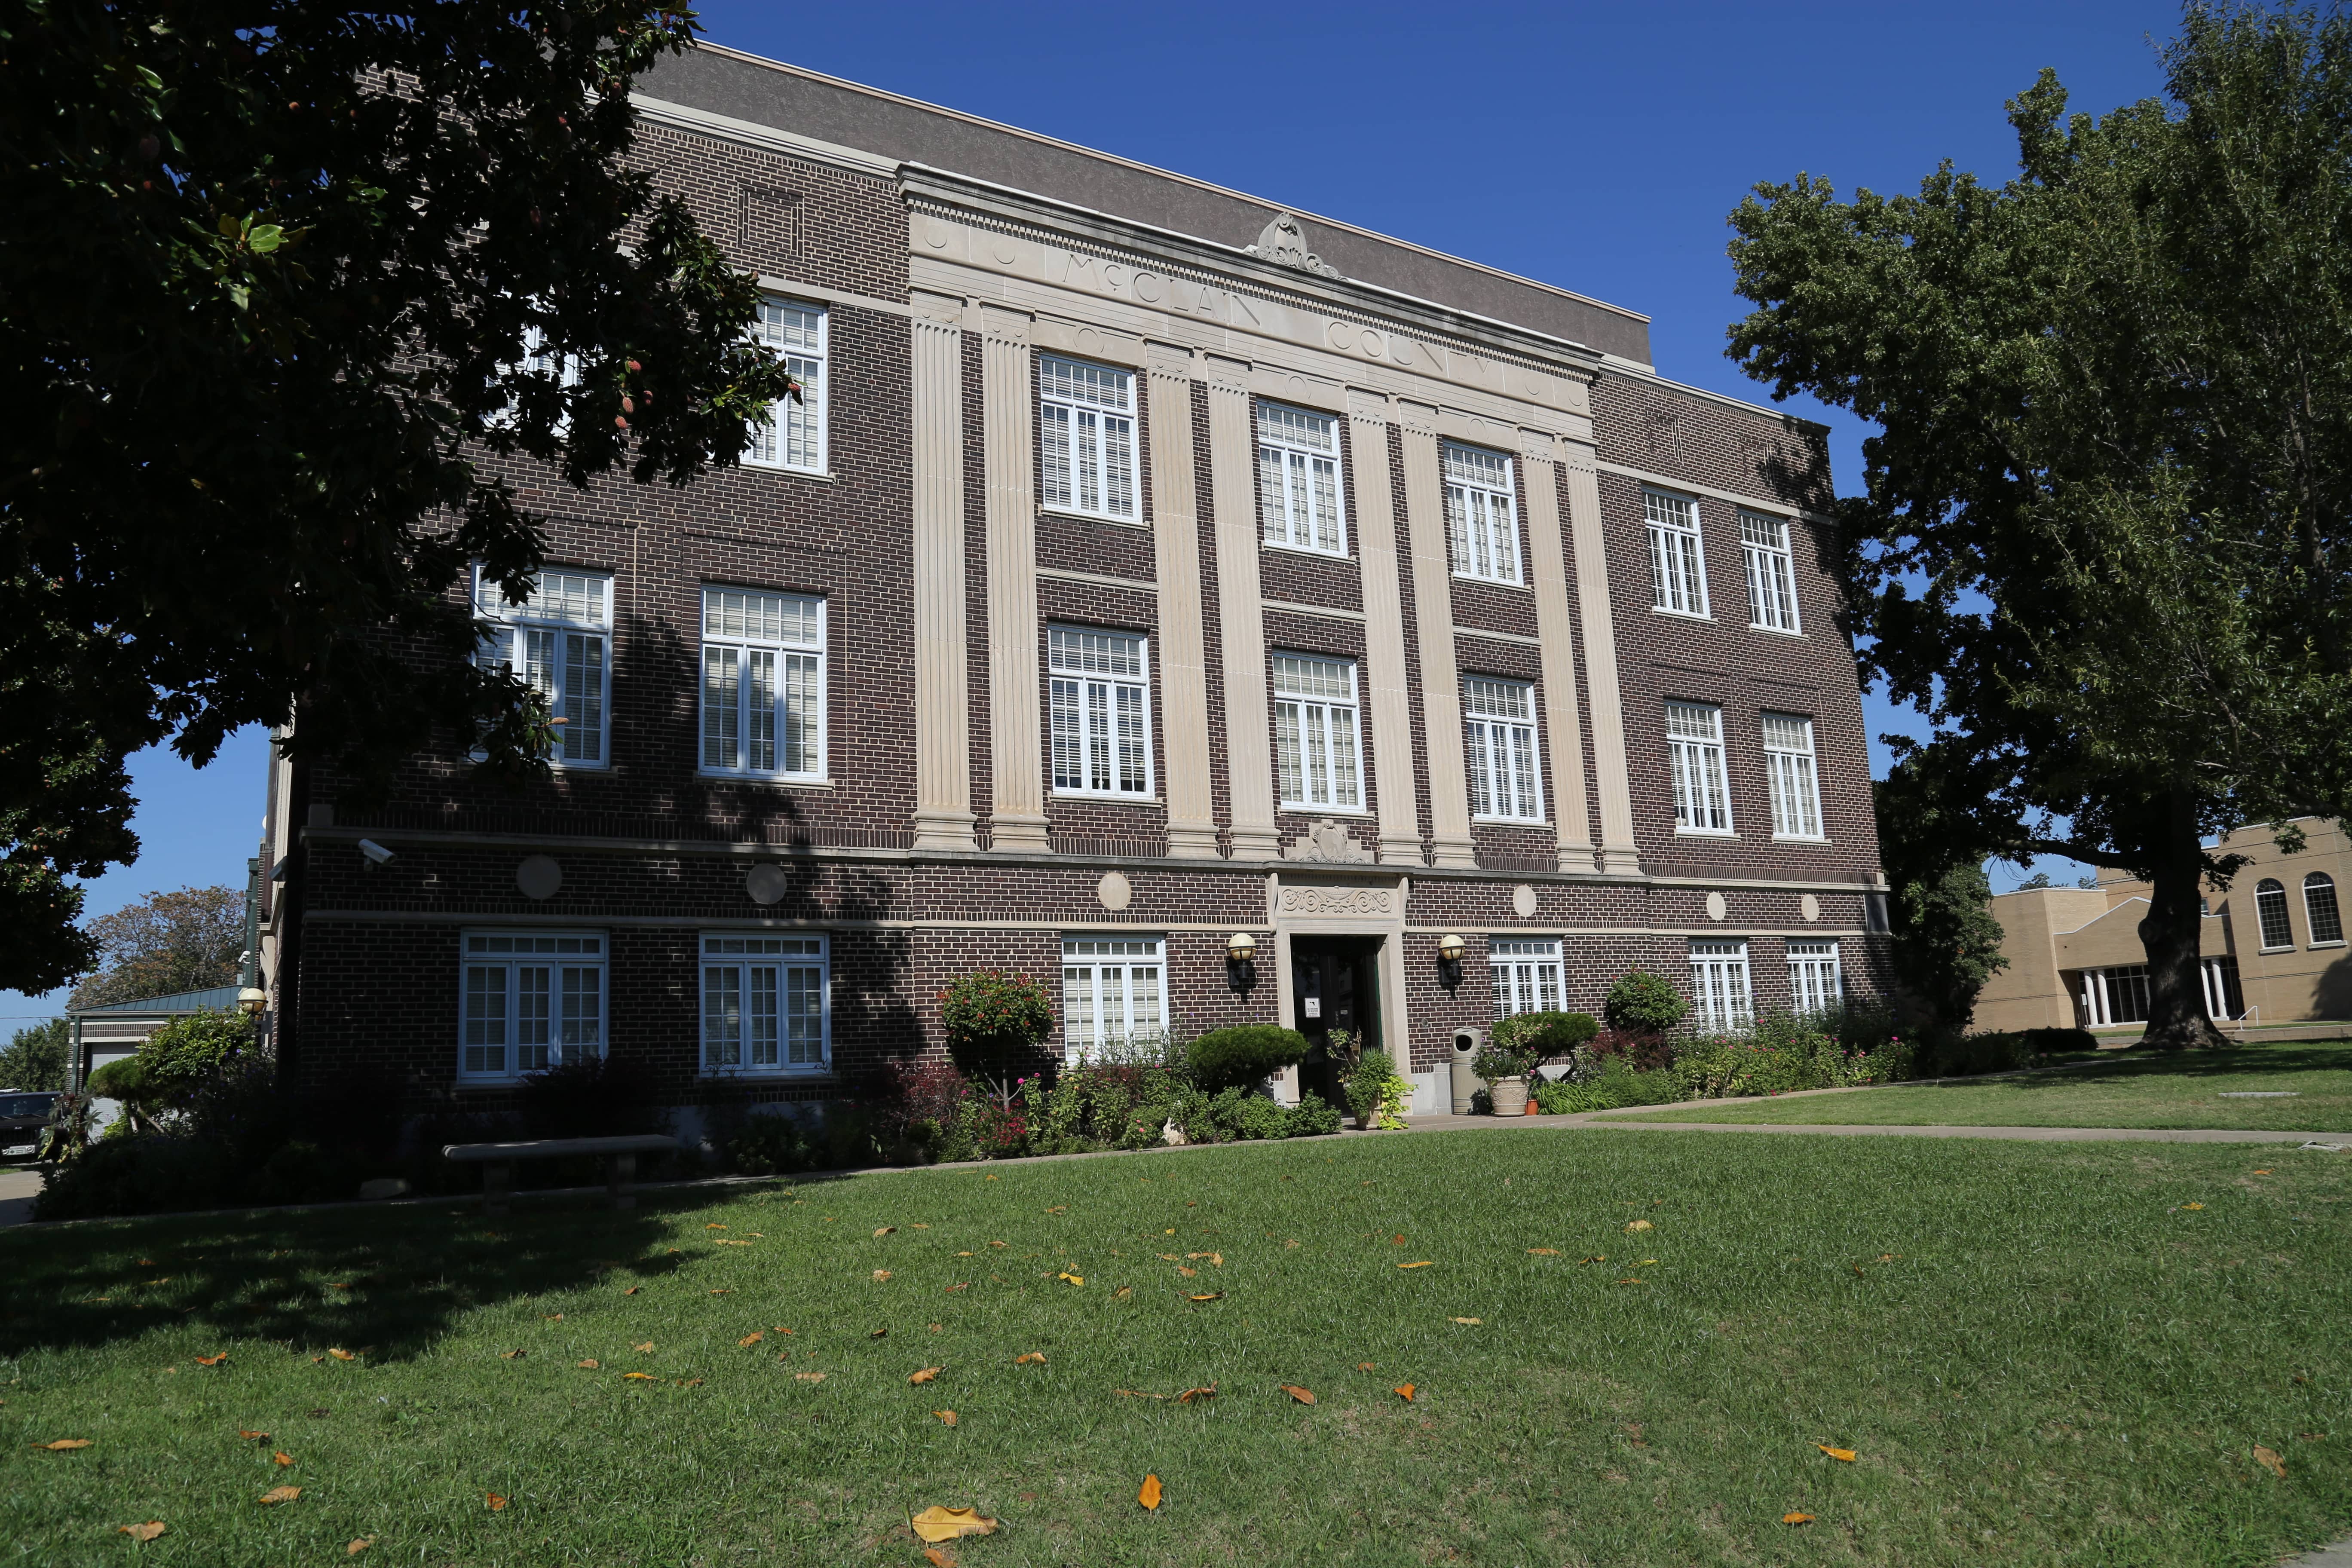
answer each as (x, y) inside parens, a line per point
(1563, 735)
(1249, 746)
(1441, 679)
(1182, 648)
(1618, 851)
(943, 710)
(1388, 681)
(1008, 412)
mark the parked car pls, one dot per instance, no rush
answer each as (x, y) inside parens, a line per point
(22, 1117)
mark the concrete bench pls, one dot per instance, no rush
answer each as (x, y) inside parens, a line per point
(620, 1154)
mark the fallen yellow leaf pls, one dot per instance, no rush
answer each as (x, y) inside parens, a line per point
(1208, 1296)
(1030, 1358)
(1796, 1518)
(644, 1349)
(1149, 1496)
(809, 1376)
(283, 1458)
(937, 1558)
(925, 1375)
(341, 1355)
(753, 1338)
(881, 1274)
(714, 1227)
(1639, 1224)
(1061, 1208)
(496, 1503)
(1843, 1456)
(2262, 1173)
(632, 1290)
(356, 1547)
(280, 1494)
(722, 1241)
(1123, 1293)
(2269, 1459)
(2192, 1205)
(1303, 1396)
(1424, 1263)
(264, 1437)
(62, 1443)
(998, 1242)
(936, 1523)
(1404, 1391)
(947, 1417)
(553, 1317)
(1073, 1278)
(592, 1365)
(886, 1230)
(513, 1354)
(639, 1377)
(1187, 1273)
(147, 1532)
(1473, 1322)
(211, 1360)
(1545, 1251)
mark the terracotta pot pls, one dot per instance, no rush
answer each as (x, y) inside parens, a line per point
(1510, 1095)
(1533, 1108)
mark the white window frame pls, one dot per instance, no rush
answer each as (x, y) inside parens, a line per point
(1506, 754)
(1301, 492)
(1319, 734)
(529, 1001)
(761, 643)
(548, 640)
(1721, 1000)
(2313, 925)
(2273, 888)
(735, 972)
(1816, 983)
(1695, 762)
(1678, 555)
(1114, 992)
(1481, 513)
(1099, 685)
(1527, 974)
(538, 360)
(793, 438)
(1795, 775)
(1090, 459)
(1771, 574)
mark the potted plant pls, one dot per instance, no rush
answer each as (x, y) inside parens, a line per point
(1522, 1042)
(1504, 1067)
(1376, 1092)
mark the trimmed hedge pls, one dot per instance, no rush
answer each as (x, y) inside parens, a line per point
(1244, 1055)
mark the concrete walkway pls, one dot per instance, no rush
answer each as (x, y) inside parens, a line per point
(18, 1188)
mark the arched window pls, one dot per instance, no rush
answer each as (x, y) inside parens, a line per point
(2270, 907)
(2320, 908)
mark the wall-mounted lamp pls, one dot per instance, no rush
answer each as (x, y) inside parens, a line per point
(1450, 949)
(252, 999)
(1241, 961)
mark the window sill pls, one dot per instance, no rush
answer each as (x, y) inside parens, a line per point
(2267, 950)
(1308, 550)
(1706, 833)
(1295, 809)
(1514, 586)
(2315, 946)
(1799, 838)
(1510, 822)
(765, 1075)
(1777, 632)
(1147, 801)
(822, 476)
(1077, 516)
(1681, 615)
(765, 781)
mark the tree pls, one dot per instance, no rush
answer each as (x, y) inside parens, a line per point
(2104, 536)
(311, 283)
(190, 940)
(1946, 941)
(35, 1057)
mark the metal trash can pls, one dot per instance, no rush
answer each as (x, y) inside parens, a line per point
(1466, 1045)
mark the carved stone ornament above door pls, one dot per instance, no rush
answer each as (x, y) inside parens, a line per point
(1339, 900)
(1284, 243)
(1327, 840)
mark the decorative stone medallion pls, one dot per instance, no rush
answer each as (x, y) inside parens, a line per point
(1523, 902)
(540, 876)
(1115, 891)
(1716, 908)
(766, 882)
(1811, 907)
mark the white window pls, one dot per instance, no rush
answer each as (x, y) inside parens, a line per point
(1299, 479)
(1101, 719)
(1499, 719)
(1772, 573)
(1719, 985)
(1482, 514)
(1694, 754)
(763, 684)
(1087, 420)
(1527, 976)
(2270, 911)
(528, 1002)
(1814, 986)
(1796, 794)
(1315, 732)
(1677, 570)
(557, 639)
(1114, 992)
(767, 1003)
(540, 360)
(793, 434)
(2320, 915)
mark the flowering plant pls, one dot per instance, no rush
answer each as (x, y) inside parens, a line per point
(994, 1024)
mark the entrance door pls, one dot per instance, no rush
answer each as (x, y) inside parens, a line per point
(1335, 986)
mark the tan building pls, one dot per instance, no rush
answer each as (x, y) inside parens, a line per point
(2272, 943)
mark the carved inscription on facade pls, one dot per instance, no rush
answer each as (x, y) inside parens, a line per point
(1339, 900)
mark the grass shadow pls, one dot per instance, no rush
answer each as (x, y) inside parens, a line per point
(2242, 1061)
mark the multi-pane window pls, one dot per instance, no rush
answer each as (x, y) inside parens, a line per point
(1114, 992)
(766, 1003)
(1814, 986)
(1299, 479)
(540, 360)
(1482, 514)
(1527, 976)
(1796, 793)
(1086, 417)
(1315, 733)
(1694, 757)
(1719, 985)
(2319, 911)
(793, 435)
(1498, 721)
(557, 639)
(1677, 571)
(1101, 719)
(1772, 573)
(763, 684)
(2270, 911)
(528, 1002)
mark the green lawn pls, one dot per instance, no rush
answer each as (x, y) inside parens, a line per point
(2041, 1353)
(2183, 1090)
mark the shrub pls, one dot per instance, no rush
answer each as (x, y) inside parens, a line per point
(994, 1023)
(2058, 1041)
(1644, 1004)
(1545, 1036)
(1556, 1096)
(1310, 1117)
(1244, 1056)
(1646, 1051)
(1377, 1092)
(768, 1146)
(592, 1097)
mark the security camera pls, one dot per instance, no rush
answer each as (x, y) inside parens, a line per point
(376, 853)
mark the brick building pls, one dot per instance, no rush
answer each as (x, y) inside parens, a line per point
(1148, 568)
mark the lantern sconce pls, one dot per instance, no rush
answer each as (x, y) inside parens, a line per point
(1241, 961)
(1450, 949)
(252, 999)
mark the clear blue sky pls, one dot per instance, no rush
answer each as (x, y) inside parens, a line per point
(1597, 147)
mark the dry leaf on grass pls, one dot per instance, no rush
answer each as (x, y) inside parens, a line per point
(1473, 1322)
(937, 1558)
(147, 1532)
(936, 1524)
(1149, 1496)
(1796, 1518)
(1073, 1278)
(886, 1230)
(1123, 1293)
(1059, 1208)
(632, 1290)
(881, 1275)
(753, 1338)
(494, 1502)
(714, 1227)
(63, 1444)
(2262, 1173)
(644, 1349)
(211, 1360)
(809, 1376)
(341, 1355)
(1596, 1258)
(925, 1375)
(728, 1291)
(997, 1243)
(1030, 1358)
(1632, 1226)
(2192, 1205)
(2269, 1459)
(1207, 1296)
(553, 1317)
(1424, 1263)
(1404, 1391)
(517, 1354)
(283, 1458)
(947, 1417)
(1217, 1258)
(1304, 1396)
(1367, 1366)
(1187, 1273)
(1191, 1395)
(262, 1436)
(591, 1365)
(639, 1377)
(722, 1241)
(280, 1494)
(356, 1547)
(1843, 1456)
(1545, 1251)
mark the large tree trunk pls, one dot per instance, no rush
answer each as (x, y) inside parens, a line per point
(2176, 1018)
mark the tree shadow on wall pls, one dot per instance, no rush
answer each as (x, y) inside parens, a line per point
(2334, 997)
